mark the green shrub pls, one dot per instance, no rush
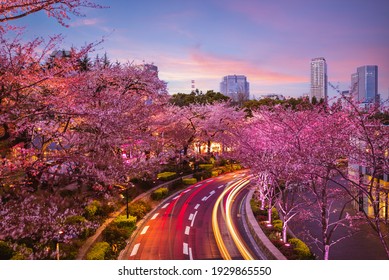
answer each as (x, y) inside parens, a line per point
(274, 236)
(18, 256)
(75, 220)
(254, 207)
(189, 181)
(214, 173)
(300, 248)
(236, 166)
(202, 175)
(98, 252)
(116, 235)
(105, 209)
(206, 166)
(69, 251)
(277, 225)
(86, 232)
(6, 251)
(159, 193)
(92, 208)
(274, 214)
(166, 176)
(122, 221)
(227, 168)
(139, 209)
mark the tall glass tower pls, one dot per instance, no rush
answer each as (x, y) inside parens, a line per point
(236, 87)
(319, 79)
(364, 84)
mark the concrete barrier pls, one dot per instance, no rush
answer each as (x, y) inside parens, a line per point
(267, 247)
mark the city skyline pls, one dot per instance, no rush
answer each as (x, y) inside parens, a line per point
(270, 43)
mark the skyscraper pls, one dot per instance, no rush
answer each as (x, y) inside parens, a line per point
(364, 85)
(319, 78)
(236, 87)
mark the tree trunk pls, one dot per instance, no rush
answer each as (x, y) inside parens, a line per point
(284, 230)
(326, 251)
(269, 211)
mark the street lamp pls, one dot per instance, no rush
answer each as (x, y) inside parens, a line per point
(127, 184)
(58, 239)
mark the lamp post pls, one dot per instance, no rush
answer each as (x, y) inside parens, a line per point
(128, 185)
(58, 239)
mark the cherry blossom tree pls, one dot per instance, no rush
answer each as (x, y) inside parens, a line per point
(59, 9)
(368, 150)
(299, 147)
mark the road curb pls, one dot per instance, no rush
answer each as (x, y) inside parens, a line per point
(267, 247)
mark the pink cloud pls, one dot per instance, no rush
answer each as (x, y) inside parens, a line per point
(223, 65)
(86, 22)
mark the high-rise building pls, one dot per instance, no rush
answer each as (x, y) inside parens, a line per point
(236, 87)
(319, 79)
(364, 85)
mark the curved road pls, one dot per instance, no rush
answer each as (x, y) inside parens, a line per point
(181, 227)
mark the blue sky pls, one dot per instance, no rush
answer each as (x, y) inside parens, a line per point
(271, 42)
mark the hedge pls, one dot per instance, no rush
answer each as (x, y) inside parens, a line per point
(159, 193)
(189, 181)
(300, 248)
(98, 252)
(6, 251)
(166, 176)
(202, 175)
(139, 209)
(123, 222)
(206, 166)
(74, 220)
(277, 224)
(92, 208)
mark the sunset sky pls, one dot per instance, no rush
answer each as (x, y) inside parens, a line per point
(271, 42)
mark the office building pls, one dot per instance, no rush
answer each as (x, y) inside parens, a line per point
(319, 79)
(236, 87)
(364, 85)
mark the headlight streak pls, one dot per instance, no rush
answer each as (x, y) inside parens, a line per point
(232, 190)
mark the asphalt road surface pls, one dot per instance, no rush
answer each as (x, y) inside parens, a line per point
(181, 227)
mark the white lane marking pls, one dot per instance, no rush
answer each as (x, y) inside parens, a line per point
(210, 180)
(135, 249)
(186, 249)
(220, 186)
(165, 205)
(186, 191)
(211, 193)
(144, 230)
(176, 197)
(234, 176)
(194, 217)
(204, 198)
(187, 229)
(199, 185)
(190, 217)
(190, 254)
(197, 206)
(153, 217)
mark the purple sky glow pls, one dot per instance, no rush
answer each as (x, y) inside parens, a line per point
(271, 42)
